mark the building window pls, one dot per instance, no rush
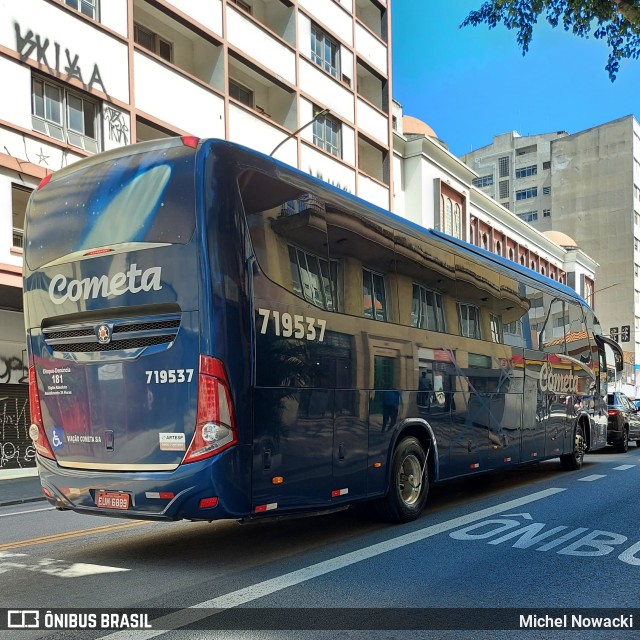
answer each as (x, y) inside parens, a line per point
(496, 327)
(241, 93)
(19, 199)
(427, 310)
(64, 115)
(314, 278)
(499, 248)
(325, 51)
(525, 194)
(503, 167)
(327, 133)
(525, 172)
(546, 191)
(88, 7)
(546, 164)
(529, 216)
(546, 213)
(469, 316)
(153, 42)
(483, 181)
(503, 189)
(374, 301)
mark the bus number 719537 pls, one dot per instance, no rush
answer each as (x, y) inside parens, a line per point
(169, 376)
(287, 326)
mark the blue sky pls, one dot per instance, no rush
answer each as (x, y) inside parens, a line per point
(473, 83)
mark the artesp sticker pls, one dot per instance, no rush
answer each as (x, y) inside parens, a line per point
(172, 442)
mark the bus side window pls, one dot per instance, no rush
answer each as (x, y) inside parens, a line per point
(577, 338)
(288, 233)
(364, 252)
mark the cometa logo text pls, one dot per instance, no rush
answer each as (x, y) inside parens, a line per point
(132, 281)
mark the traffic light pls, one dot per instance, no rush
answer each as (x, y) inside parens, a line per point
(625, 333)
(613, 333)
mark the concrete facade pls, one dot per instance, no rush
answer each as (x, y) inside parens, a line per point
(588, 187)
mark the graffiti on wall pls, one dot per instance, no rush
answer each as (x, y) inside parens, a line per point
(51, 54)
(12, 369)
(118, 129)
(16, 448)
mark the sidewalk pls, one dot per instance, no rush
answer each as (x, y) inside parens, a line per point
(19, 486)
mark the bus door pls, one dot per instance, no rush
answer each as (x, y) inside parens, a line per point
(505, 417)
(536, 407)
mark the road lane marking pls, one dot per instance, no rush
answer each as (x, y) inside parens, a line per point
(624, 467)
(60, 568)
(70, 534)
(19, 513)
(591, 478)
(268, 587)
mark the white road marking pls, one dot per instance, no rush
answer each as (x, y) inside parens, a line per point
(19, 513)
(624, 467)
(595, 476)
(58, 568)
(262, 589)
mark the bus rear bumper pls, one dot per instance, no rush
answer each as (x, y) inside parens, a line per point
(205, 490)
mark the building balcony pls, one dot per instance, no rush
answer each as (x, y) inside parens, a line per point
(260, 44)
(332, 15)
(251, 130)
(371, 49)
(326, 90)
(373, 16)
(191, 51)
(372, 122)
(208, 14)
(172, 97)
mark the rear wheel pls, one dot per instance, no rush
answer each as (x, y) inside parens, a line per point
(409, 483)
(622, 446)
(573, 461)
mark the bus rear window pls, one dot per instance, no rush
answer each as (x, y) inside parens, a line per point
(144, 197)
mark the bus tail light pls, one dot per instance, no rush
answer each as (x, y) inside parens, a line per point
(190, 141)
(36, 430)
(215, 424)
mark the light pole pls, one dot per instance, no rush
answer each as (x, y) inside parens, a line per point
(297, 131)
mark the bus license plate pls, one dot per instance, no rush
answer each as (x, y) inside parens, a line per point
(112, 500)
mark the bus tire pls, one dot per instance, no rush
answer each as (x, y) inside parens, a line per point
(408, 485)
(573, 461)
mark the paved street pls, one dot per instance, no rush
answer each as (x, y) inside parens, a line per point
(528, 540)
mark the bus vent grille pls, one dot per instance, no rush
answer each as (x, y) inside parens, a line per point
(126, 333)
(117, 345)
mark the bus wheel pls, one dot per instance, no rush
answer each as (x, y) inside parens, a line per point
(409, 484)
(573, 461)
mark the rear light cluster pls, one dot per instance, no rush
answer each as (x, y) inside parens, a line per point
(215, 422)
(36, 430)
(614, 412)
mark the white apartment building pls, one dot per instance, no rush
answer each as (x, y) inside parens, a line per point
(82, 76)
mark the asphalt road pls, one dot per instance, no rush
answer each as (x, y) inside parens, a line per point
(485, 552)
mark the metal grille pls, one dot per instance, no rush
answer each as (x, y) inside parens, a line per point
(116, 345)
(136, 332)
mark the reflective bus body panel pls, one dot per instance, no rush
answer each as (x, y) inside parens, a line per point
(324, 380)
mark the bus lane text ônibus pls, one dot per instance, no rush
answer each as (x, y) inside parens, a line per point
(565, 540)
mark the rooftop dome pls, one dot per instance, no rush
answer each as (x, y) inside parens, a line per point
(561, 238)
(411, 125)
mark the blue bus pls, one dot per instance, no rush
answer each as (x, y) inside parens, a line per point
(214, 334)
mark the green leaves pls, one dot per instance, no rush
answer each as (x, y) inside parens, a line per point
(615, 21)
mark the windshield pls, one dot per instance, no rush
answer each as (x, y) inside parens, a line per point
(142, 197)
